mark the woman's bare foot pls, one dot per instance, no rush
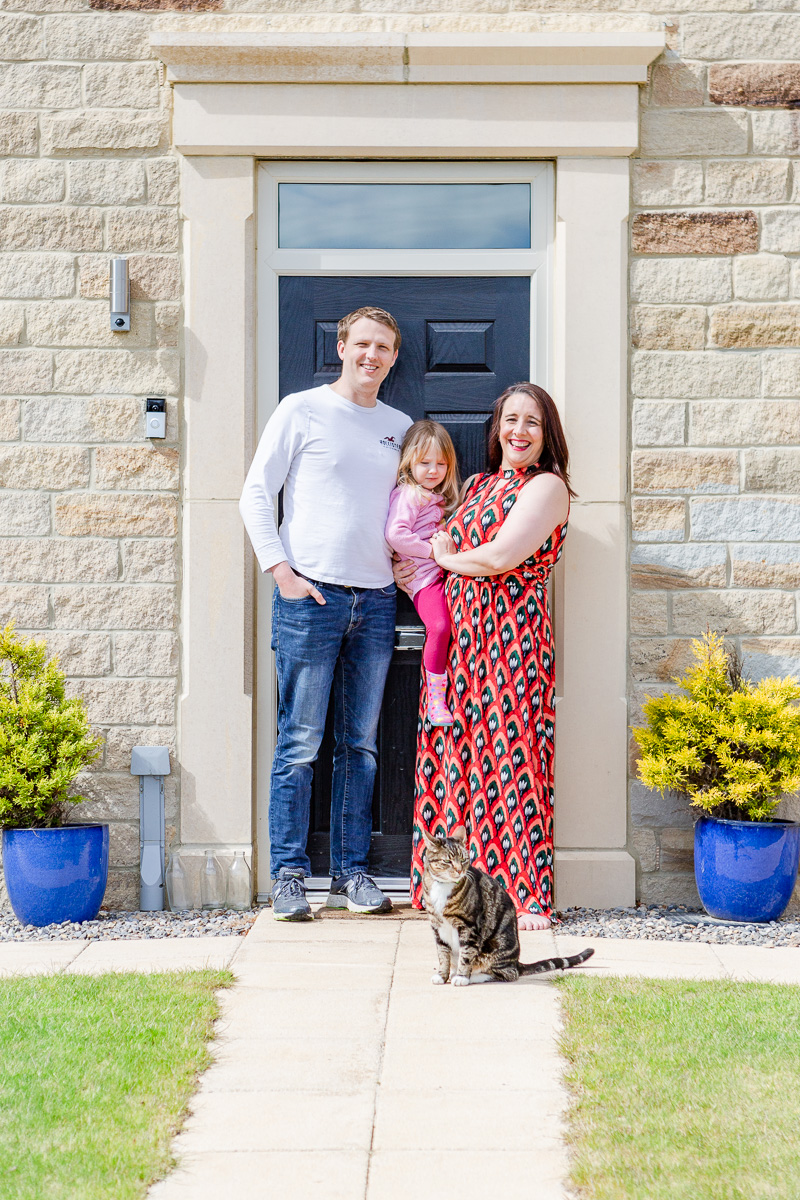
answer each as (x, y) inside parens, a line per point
(526, 920)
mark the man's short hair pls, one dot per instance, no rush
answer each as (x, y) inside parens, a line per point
(373, 314)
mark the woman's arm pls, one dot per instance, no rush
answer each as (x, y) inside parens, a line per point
(541, 506)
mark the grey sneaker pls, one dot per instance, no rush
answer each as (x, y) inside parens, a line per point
(358, 893)
(289, 897)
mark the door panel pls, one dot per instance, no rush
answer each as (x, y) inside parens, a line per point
(464, 341)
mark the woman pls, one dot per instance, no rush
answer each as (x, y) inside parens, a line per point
(492, 771)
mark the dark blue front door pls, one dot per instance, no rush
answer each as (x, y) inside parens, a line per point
(464, 341)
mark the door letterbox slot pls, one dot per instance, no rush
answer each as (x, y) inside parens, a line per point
(409, 637)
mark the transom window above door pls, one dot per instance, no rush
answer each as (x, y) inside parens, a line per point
(414, 220)
(404, 216)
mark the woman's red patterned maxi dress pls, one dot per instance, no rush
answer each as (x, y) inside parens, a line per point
(493, 770)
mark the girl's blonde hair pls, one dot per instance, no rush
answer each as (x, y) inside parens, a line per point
(416, 441)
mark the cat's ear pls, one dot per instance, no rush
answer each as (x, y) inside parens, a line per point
(432, 843)
(459, 834)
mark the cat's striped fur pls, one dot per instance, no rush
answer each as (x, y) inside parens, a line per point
(473, 919)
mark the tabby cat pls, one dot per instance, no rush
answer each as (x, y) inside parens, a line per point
(473, 918)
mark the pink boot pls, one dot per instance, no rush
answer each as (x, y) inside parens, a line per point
(438, 713)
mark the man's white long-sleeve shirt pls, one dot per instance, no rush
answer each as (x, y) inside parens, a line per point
(337, 464)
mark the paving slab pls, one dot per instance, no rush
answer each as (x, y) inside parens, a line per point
(321, 1174)
(429, 1062)
(425, 1119)
(223, 1122)
(341, 1067)
(614, 956)
(506, 1013)
(341, 953)
(304, 977)
(780, 964)
(468, 1175)
(155, 954)
(267, 1014)
(39, 958)
(636, 950)
(331, 929)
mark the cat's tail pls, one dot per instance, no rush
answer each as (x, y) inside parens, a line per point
(555, 964)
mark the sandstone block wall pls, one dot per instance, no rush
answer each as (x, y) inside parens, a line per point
(715, 368)
(89, 510)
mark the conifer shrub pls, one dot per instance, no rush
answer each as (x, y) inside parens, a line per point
(45, 738)
(730, 745)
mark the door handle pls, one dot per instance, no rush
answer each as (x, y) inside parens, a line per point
(409, 637)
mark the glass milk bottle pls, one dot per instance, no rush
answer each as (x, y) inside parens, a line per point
(239, 889)
(177, 884)
(212, 883)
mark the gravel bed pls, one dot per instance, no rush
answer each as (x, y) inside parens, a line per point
(676, 923)
(111, 926)
(654, 923)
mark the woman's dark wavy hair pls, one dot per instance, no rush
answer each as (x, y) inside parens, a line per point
(555, 455)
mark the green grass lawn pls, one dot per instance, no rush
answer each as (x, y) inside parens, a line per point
(95, 1074)
(683, 1089)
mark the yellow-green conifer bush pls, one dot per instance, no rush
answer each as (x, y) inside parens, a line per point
(732, 746)
(45, 738)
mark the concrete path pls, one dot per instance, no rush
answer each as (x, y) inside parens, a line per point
(341, 1072)
(85, 957)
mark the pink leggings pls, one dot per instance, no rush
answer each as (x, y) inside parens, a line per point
(431, 605)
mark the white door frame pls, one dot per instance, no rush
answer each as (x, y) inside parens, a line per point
(273, 262)
(240, 97)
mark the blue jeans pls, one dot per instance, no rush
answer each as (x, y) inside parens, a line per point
(346, 643)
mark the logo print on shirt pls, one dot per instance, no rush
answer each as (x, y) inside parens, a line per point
(391, 443)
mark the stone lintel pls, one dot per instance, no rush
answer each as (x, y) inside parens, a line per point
(240, 57)
(394, 121)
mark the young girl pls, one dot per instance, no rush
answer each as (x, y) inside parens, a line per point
(427, 489)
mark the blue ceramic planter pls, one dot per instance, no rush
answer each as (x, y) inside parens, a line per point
(745, 870)
(55, 875)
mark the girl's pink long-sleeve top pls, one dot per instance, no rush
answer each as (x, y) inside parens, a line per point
(412, 521)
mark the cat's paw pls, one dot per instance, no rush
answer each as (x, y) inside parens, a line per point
(461, 980)
(436, 978)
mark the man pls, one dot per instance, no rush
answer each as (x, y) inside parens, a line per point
(334, 450)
